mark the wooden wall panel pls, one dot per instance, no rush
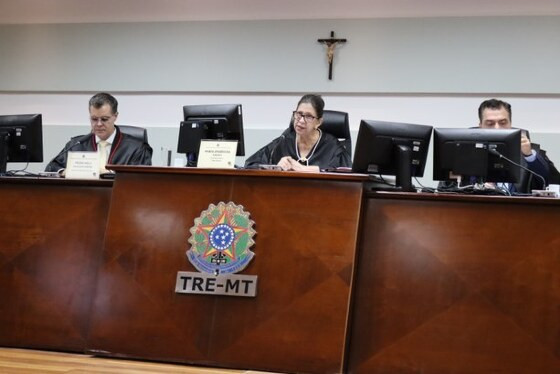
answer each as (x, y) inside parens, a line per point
(465, 285)
(52, 235)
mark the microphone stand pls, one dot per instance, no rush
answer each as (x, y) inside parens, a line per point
(277, 143)
(496, 153)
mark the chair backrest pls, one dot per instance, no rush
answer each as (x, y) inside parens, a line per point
(335, 123)
(135, 131)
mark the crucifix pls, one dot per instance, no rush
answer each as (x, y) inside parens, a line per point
(331, 45)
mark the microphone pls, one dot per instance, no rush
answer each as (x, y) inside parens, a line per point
(60, 172)
(496, 153)
(278, 140)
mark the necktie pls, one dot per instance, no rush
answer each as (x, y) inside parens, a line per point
(102, 155)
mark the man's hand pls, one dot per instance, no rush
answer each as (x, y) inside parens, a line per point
(525, 145)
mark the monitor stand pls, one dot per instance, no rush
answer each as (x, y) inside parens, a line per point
(403, 180)
(403, 155)
(4, 136)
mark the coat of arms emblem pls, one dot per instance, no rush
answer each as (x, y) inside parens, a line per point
(221, 239)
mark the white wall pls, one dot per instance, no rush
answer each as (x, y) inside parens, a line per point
(405, 55)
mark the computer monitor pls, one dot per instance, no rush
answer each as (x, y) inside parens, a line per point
(214, 122)
(392, 148)
(472, 153)
(21, 139)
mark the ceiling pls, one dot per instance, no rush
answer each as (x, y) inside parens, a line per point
(83, 11)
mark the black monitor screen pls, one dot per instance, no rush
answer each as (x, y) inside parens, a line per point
(21, 139)
(392, 148)
(214, 122)
(471, 153)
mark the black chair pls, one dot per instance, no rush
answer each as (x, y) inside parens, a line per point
(335, 123)
(136, 132)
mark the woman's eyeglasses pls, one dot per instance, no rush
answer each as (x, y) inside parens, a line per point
(306, 117)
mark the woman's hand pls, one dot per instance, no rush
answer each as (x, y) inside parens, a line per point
(288, 163)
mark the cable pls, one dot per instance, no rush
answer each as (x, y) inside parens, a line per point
(424, 188)
(23, 171)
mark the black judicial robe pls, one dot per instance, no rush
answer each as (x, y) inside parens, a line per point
(329, 153)
(125, 150)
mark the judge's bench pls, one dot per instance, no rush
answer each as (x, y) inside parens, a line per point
(345, 279)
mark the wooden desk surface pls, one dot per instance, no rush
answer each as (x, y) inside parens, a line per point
(253, 173)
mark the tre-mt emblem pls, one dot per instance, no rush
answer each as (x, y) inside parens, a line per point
(221, 239)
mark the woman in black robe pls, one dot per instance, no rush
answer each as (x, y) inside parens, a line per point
(306, 147)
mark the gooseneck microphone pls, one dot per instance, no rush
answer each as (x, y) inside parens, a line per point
(496, 153)
(278, 140)
(72, 147)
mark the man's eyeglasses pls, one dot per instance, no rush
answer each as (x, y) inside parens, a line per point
(103, 120)
(306, 117)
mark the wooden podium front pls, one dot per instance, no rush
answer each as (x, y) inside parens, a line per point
(305, 247)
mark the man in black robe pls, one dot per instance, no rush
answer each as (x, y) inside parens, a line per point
(106, 138)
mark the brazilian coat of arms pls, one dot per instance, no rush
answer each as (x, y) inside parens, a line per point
(221, 239)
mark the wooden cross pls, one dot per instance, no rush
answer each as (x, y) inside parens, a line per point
(331, 45)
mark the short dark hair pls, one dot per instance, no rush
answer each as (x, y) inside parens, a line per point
(102, 98)
(493, 104)
(316, 102)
